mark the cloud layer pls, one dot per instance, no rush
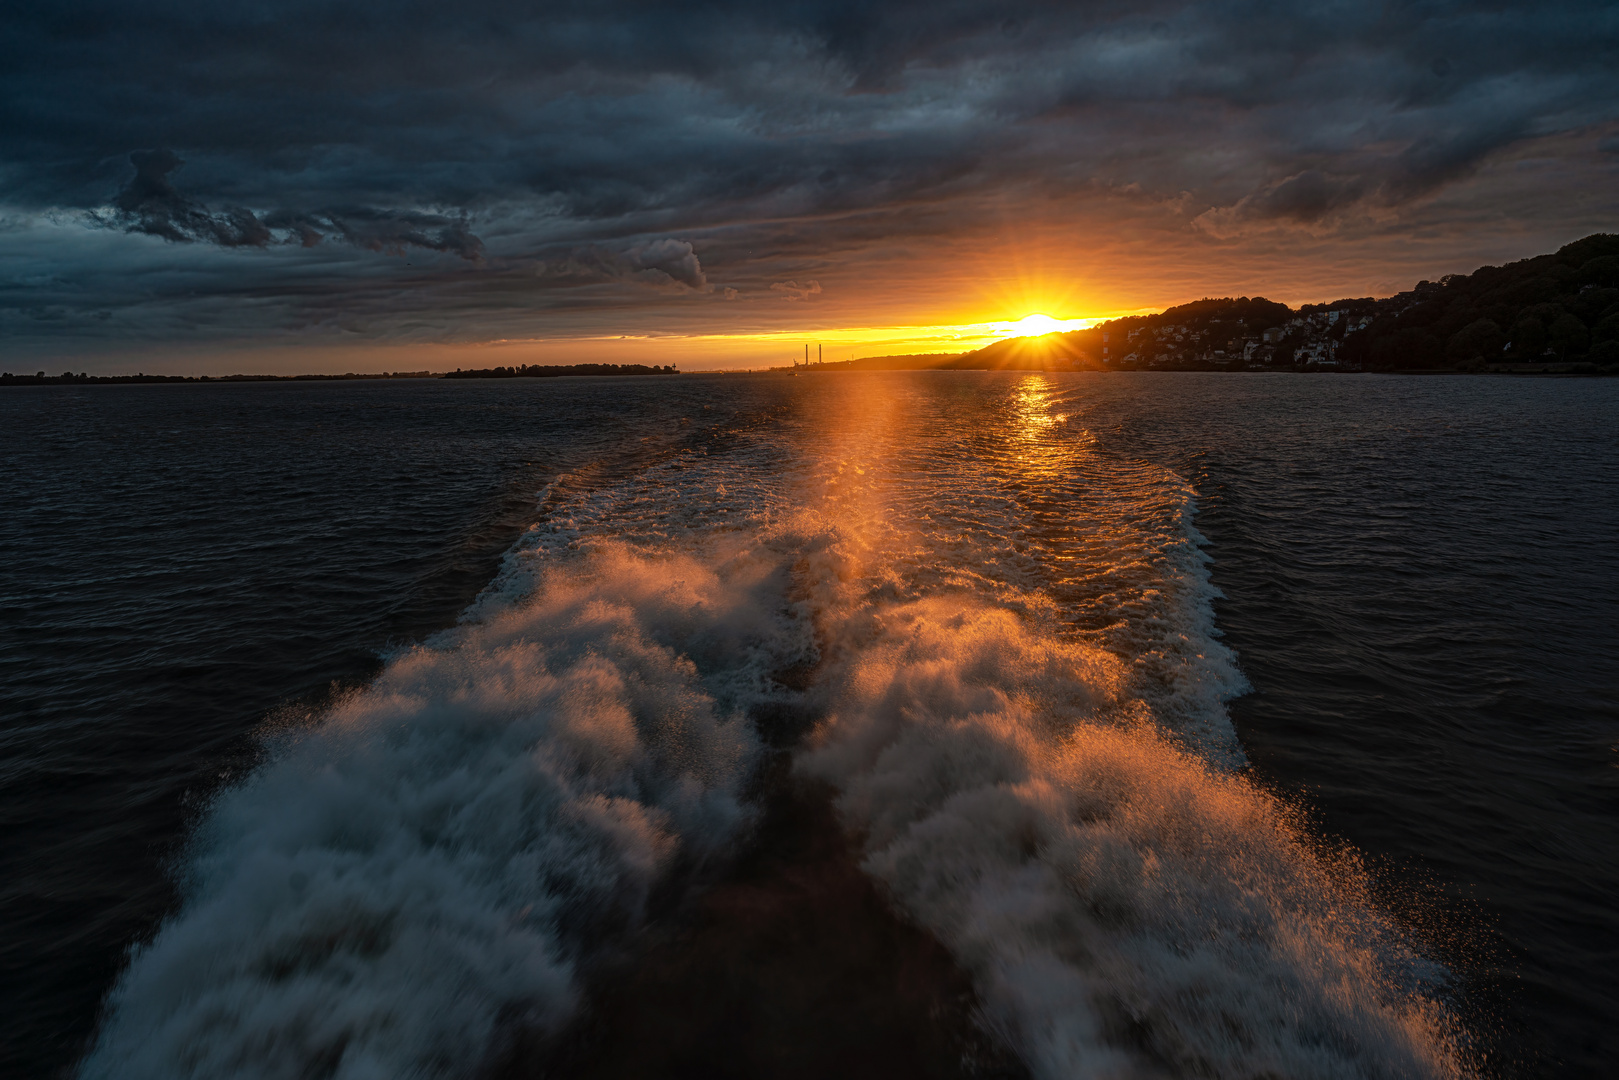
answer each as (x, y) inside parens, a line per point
(647, 159)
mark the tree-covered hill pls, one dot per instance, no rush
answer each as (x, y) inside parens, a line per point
(1551, 308)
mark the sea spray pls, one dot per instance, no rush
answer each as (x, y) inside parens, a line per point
(1024, 698)
(1127, 908)
(425, 869)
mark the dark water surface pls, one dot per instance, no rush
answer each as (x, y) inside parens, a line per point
(1418, 581)
(1421, 580)
(178, 562)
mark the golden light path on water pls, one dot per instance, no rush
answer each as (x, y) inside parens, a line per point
(1025, 717)
(1024, 700)
(1000, 629)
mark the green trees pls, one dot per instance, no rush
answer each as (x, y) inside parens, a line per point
(1481, 338)
(1567, 336)
(1603, 272)
(1559, 303)
(1606, 329)
(1412, 348)
(1528, 337)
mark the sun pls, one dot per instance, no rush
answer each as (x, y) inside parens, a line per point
(1037, 324)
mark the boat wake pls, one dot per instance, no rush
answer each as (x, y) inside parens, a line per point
(1000, 640)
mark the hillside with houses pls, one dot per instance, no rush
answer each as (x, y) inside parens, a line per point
(1556, 313)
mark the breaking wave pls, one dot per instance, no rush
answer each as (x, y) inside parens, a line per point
(1005, 638)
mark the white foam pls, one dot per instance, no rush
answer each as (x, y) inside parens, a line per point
(422, 871)
(1126, 907)
(1027, 727)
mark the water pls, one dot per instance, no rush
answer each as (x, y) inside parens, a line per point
(905, 707)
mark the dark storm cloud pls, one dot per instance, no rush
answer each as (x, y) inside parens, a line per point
(390, 232)
(562, 148)
(150, 203)
(666, 262)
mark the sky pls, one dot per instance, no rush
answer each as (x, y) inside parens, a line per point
(215, 187)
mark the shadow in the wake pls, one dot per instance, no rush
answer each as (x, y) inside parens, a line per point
(789, 966)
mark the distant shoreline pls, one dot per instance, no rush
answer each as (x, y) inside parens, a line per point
(1546, 371)
(1569, 369)
(68, 378)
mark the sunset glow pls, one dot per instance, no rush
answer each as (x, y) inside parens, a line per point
(1038, 324)
(772, 347)
(911, 181)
